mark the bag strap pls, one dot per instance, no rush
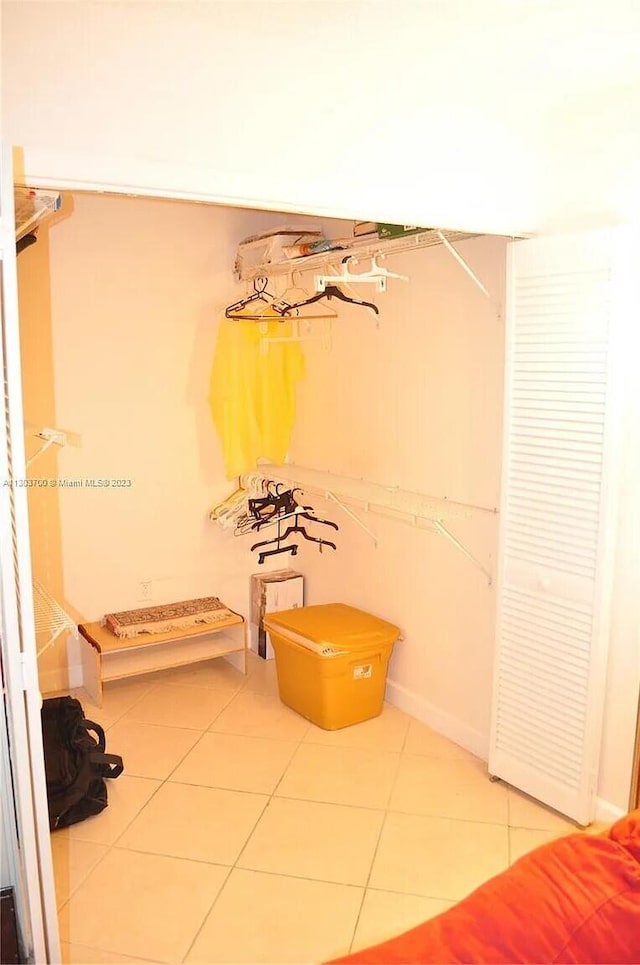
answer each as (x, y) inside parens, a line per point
(98, 731)
(112, 764)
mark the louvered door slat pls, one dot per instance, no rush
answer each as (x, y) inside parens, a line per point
(551, 617)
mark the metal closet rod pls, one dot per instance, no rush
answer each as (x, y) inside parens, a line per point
(372, 249)
(329, 488)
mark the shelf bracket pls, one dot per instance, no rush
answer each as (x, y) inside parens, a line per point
(462, 262)
(49, 438)
(345, 509)
(463, 549)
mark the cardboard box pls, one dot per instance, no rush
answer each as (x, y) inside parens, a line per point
(271, 593)
(398, 230)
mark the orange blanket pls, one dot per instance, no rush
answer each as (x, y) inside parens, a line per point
(573, 900)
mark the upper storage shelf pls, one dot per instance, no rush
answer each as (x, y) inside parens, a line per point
(32, 205)
(366, 248)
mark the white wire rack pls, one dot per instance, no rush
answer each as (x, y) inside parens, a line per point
(32, 205)
(415, 508)
(359, 249)
(50, 619)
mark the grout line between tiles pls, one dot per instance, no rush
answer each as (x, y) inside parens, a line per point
(134, 958)
(84, 878)
(377, 845)
(406, 737)
(242, 849)
(299, 742)
(206, 914)
(448, 817)
(366, 884)
(113, 845)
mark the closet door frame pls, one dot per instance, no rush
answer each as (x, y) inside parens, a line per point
(25, 802)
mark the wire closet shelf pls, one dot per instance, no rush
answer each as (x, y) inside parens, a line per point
(418, 509)
(358, 249)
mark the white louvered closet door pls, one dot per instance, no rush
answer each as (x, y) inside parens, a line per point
(565, 303)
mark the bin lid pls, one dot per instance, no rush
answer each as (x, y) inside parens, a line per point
(334, 625)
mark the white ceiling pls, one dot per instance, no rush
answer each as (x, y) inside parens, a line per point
(464, 113)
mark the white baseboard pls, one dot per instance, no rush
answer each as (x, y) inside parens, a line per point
(472, 740)
(446, 724)
(608, 813)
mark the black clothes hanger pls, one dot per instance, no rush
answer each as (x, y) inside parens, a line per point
(296, 511)
(295, 528)
(276, 507)
(281, 549)
(316, 519)
(331, 291)
(292, 548)
(257, 295)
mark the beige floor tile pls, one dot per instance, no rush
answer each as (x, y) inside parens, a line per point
(176, 675)
(423, 740)
(72, 862)
(525, 812)
(524, 840)
(93, 712)
(149, 750)
(437, 857)
(119, 696)
(81, 955)
(271, 918)
(258, 715)
(340, 775)
(127, 796)
(598, 827)
(446, 787)
(180, 705)
(235, 762)
(202, 823)
(217, 674)
(384, 733)
(386, 914)
(262, 677)
(143, 905)
(328, 842)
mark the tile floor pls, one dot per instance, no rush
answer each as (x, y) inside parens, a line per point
(239, 832)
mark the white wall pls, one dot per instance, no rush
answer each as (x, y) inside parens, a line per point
(417, 403)
(623, 674)
(591, 175)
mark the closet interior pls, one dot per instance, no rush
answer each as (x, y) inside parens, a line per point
(149, 330)
(396, 437)
(140, 320)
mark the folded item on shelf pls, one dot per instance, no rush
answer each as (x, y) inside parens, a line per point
(269, 248)
(316, 247)
(167, 617)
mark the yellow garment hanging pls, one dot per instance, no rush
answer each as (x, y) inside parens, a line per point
(252, 393)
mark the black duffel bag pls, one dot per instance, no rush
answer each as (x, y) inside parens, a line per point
(75, 762)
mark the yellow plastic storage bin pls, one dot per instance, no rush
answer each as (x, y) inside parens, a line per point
(331, 662)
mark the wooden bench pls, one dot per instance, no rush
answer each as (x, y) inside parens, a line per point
(105, 656)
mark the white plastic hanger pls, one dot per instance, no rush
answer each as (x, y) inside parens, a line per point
(376, 275)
